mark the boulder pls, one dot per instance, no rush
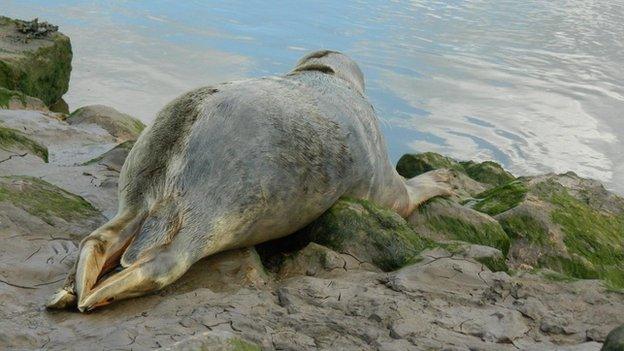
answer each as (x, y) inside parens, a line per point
(562, 222)
(489, 173)
(358, 228)
(615, 340)
(35, 59)
(120, 125)
(15, 100)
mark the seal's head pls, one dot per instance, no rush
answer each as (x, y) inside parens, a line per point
(334, 63)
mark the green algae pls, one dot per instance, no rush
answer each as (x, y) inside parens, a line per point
(411, 165)
(495, 264)
(11, 139)
(238, 344)
(523, 226)
(488, 234)
(44, 200)
(43, 73)
(487, 172)
(364, 229)
(501, 198)
(594, 235)
(6, 95)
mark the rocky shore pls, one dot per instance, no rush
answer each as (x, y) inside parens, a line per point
(506, 263)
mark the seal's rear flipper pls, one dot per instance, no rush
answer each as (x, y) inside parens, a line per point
(427, 186)
(98, 254)
(157, 268)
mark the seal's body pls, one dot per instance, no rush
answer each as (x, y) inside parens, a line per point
(238, 164)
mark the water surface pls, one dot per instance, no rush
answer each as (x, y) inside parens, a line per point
(535, 85)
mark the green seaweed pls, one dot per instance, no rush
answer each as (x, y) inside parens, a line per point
(43, 73)
(6, 95)
(238, 344)
(522, 226)
(487, 172)
(595, 236)
(501, 198)
(495, 264)
(411, 165)
(10, 138)
(489, 234)
(380, 233)
(44, 200)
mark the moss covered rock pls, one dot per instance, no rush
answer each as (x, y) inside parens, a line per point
(488, 172)
(443, 219)
(15, 100)
(615, 340)
(562, 222)
(44, 200)
(14, 141)
(37, 66)
(119, 125)
(358, 228)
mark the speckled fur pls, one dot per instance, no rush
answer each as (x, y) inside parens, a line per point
(245, 162)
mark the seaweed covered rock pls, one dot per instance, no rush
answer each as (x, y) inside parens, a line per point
(15, 100)
(365, 231)
(615, 340)
(563, 222)
(15, 144)
(46, 201)
(37, 63)
(119, 125)
(488, 172)
(443, 219)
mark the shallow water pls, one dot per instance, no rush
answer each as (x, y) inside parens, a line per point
(535, 85)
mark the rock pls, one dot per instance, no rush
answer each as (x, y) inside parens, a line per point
(562, 222)
(114, 158)
(120, 125)
(68, 147)
(488, 172)
(15, 144)
(229, 270)
(318, 260)
(443, 219)
(60, 106)
(214, 341)
(35, 63)
(358, 228)
(15, 100)
(615, 340)
(313, 296)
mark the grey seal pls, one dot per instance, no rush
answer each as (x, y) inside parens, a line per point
(237, 164)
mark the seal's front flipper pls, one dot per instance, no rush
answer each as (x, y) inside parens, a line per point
(427, 186)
